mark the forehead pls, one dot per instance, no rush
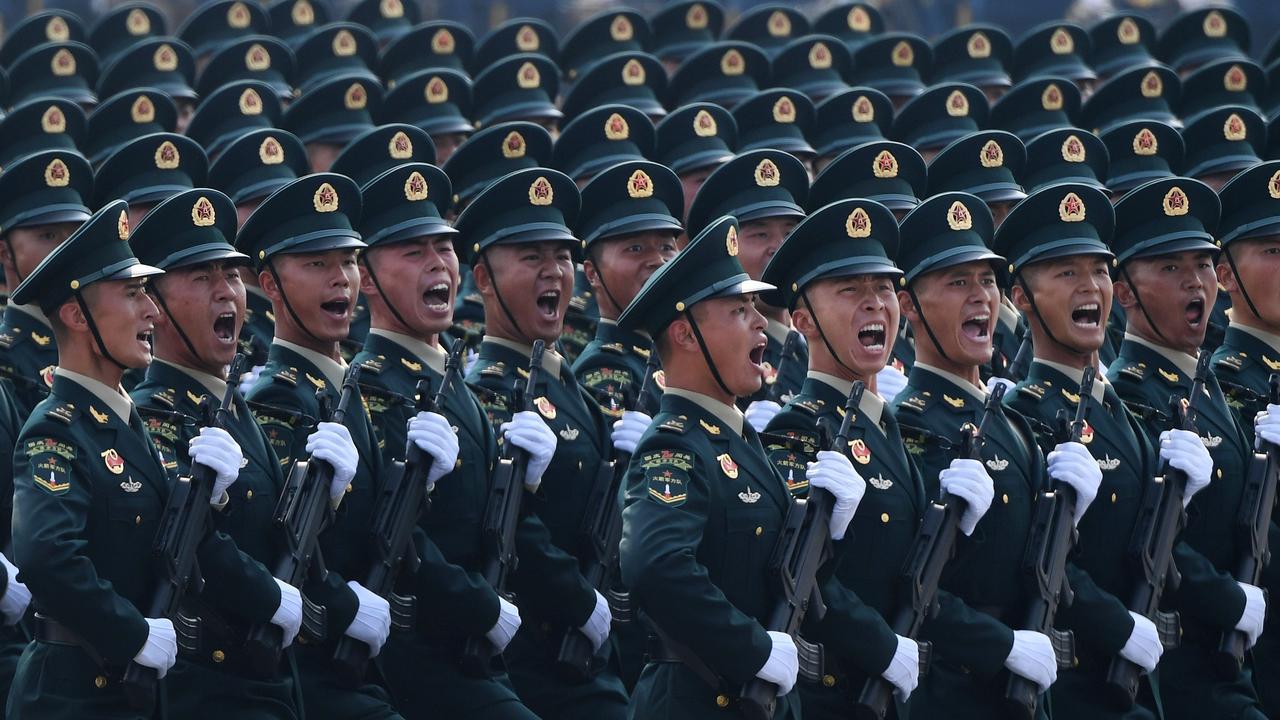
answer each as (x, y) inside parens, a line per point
(1185, 256)
(338, 254)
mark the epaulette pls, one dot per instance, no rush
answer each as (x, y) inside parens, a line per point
(165, 397)
(618, 348)
(1135, 371)
(1232, 362)
(1033, 390)
(63, 412)
(915, 402)
(288, 376)
(677, 425)
(6, 340)
(813, 406)
(497, 369)
(372, 365)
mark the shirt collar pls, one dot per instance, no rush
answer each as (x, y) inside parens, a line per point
(334, 372)
(1271, 340)
(727, 414)
(777, 331)
(116, 400)
(870, 404)
(1184, 362)
(1099, 392)
(216, 386)
(979, 394)
(433, 356)
(642, 333)
(551, 360)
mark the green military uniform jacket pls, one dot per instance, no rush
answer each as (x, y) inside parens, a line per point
(90, 489)
(1208, 599)
(28, 354)
(789, 371)
(216, 679)
(259, 320)
(1100, 572)
(13, 638)
(613, 367)
(859, 642)
(973, 631)
(703, 511)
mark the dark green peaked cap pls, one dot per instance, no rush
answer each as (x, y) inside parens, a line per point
(816, 65)
(630, 197)
(255, 57)
(707, 268)
(1224, 139)
(986, 164)
(293, 21)
(217, 24)
(450, 46)
(494, 152)
(753, 186)
(1163, 217)
(193, 227)
(125, 25)
(336, 111)
(1036, 106)
(1054, 48)
(1251, 204)
(40, 124)
(600, 137)
(97, 251)
(1058, 221)
(1122, 42)
(48, 26)
(67, 70)
(681, 28)
(387, 19)
(1139, 152)
(150, 169)
(946, 230)
(258, 163)
(437, 100)
(940, 115)
(849, 119)
(893, 63)
(1144, 93)
(976, 54)
(1227, 82)
(164, 63)
(724, 73)
(315, 213)
(231, 111)
(853, 22)
(50, 186)
(779, 118)
(125, 117)
(1065, 155)
(769, 27)
(628, 78)
(888, 172)
(1203, 35)
(847, 237)
(515, 37)
(695, 136)
(406, 202)
(598, 37)
(381, 149)
(517, 87)
(527, 206)
(339, 49)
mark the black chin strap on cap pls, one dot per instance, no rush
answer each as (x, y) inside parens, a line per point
(1138, 299)
(8, 241)
(364, 260)
(600, 276)
(155, 293)
(1239, 283)
(822, 334)
(924, 321)
(97, 336)
(706, 354)
(1017, 278)
(271, 268)
(493, 281)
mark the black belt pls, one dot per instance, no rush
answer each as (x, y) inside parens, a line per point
(53, 632)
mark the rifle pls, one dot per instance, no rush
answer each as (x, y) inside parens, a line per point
(599, 537)
(186, 521)
(1253, 525)
(804, 546)
(1053, 535)
(400, 503)
(787, 355)
(1021, 365)
(501, 516)
(303, 510)
(1160, 521)
(934, 546)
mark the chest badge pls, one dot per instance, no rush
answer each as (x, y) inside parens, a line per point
(546, 407)
(729, 467)
(1271, 364)
(997, 463)
(861, 453)
(569, 433)
(660, 378)
(880, 482)
(1108, 463)
(792, 482)
(1211, 441)
(410, 365)
(709, 427)
(100, 417)
(47, 375)
(315, 381)
(131, 485)
(41, 340)
(953, 402)
(749, 497)
(1086, 434)
(113, 461)
(1168, 376)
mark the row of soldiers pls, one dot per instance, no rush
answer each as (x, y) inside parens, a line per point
(718, 241)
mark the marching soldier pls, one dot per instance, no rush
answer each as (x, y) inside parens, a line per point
(201, 302)
(1164, 250)
(704, 507)
(409, 275)
(693, 141)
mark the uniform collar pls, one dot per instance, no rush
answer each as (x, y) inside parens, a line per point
(1076, 375)
(216, 386)
(727, 414)
(31, 310)
(334, 372)
(1270, 340)
(434, 357)
(870, 405)
(776, 331)
(1184, 362)
(1008, 314)
(979, 394)
(551, 360)
(114, 398)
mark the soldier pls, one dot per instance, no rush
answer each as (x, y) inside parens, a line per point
(388, 19)
(1140, 93)
(724, 73)
(703, 505)
(444, 114)
(1121, 41)
(409, 273)
(1036, 106)
(125, 117)
(66, 70)
(340, 49)
(331, 115)
(518, 87)
(693, 141)
(977, 54)
(814, 65)
(894, 63)
(201, 302)
(846, 120)
(452, 48)
(150, 169)
(40, 124)
(834, 275)
(938, 116)
(162, 63)
(216, 25)
(769, 26)
(682, 28)
(634, 79)
(777, 119)
(599, 37)
(513, 37)
(1164, 250)
(259, 57)
(522, 255)
(231, 111)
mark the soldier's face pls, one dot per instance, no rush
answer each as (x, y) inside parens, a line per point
(999, 211)
(27, 246)
(960, 304)
(320, 155)
(691, 182)
(137, 211)
(1072, 299)
(734, 333)
(445, 144)
(1257, 265)
(186, 109)
(758, 240)
(619, 266)
(535, 281)
(321, 288)
(1177, 292)
(207, 302)
(419, 278)
(858, 315)
(125, 316)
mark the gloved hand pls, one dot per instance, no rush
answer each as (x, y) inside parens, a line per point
(248, 379)
(1143, 648)
(1070, 463)
(215, 449)
(628, 429)
(1267, 425)
(16, 595)
(331, 442)
(889, 382)
(508, 623)
(1032, 658)
(760, 412)
(904, 669)
(288, 616)
(472, 357)
(528, 432)
(160, 651)
(1185, 451)
(834, 473)
(434, 436)
(993, 381)
(598, 625)
(372, 623)
(1255, 612)
(969, 481)
(783, 664)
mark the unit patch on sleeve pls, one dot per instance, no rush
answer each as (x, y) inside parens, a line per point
(51, 464)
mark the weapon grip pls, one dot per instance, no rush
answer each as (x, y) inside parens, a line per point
(139, 684)
(1021, 697)
(874, 701)
(350, 661)
(758, 700)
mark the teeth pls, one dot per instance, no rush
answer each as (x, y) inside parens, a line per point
(979, 319)
(873, 327)
(1090, 306)
(442, 287)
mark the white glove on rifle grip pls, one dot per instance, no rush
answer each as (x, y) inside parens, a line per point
(288, 615)
(968, 480)
(889, 382)
(1255, 612)
(215, 449)
(904, 669)
(331, 442)
(834, 473)
(598, 625)
(433, 435)
(628, 429)
(1070, 463)
(527, 431)
(783, 664)
(160, 651)
(372, 623)
(1185, 451)
(505, 628)
(1266, 425)
(760, 412)
(1143, 648)
(1032, 657)
(16, 595)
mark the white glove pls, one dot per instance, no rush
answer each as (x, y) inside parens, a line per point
(993, 381)
(598, 625)
(433, 435)
(288, 616)
(248, 379)
(834, 473)
(1143, 647)
(1255, 611)
(215, 449)
(1070, 463)
(508, 623)
(1267, 425)
(528, 432)
(628, 429)
(760, 412)
(889, 382)
(783, 664)
(1185, 451)
(472, 357)
(331, 442)
(904, 669)
(1032, 658)
(16, 595)
(372, 623)
(969, 481)
(160, 651)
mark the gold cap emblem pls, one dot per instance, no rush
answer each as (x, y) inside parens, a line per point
(143, 110)
(858, 224)
(639, 185)
(784, 110)
(415, 187)
(167, 156)
(257, 59)
(1273, 186)
(325, 199)
(56, 29)
(696, 17)
(779, 24)
(1176, 202)
(527, 39)
(885, 165)
(958, 217)
(540, 192)
(436, 91)
(202, 213)
(731, 241)
(1235, 80)
(513, 146)
(992, 155)
(137, 23)
(1051, 98)
(616, 127)
(1145, 143)
(302, 13)
(1152, 85)
(1073, 150)
(391, 9)
(859, 20)
(57, 174)
(1215, 26)
(1127, 32)
(63, 63)
(122, 226)
(633, 73)
(1071, 209)
(1061, 42)
(53, 121)
(355, 98)
(1234, 128)
(528, 77)
(820, 56)
(732, 63)
(704, 125)
(238, 16)
(442, 42)
(979, 46)
(270, 152)
(165, 59)
(400, 147)
(903, 55)
(620, 29)
(344, 43)
(767, 174)
(957, 104)
(250, 102)
(863, 110)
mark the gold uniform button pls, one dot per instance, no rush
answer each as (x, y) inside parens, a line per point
(759, 531)
(884, 517)
(248, 494)
(829, 680)
(722, 701)
(457, 463)
(1005, 498)
(137, 520)
(350, 487)
(100, 681)
(219, 656)
(1219, 473)
(1113, 498)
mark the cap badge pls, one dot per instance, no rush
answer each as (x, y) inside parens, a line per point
(257, 58)
(122, 226)
(238, 16)
(992, 155)
(63, 63)
(270, 152)
(528, 77)
(639, 185)
(958, 217)
(325, 199)
(527, 39)
(1176, 202)
(202, 213)
(355, 98)
(767, 174)
(616, 128)
(143, 110)
(779, 24)
(437, 90)
(731, 241)
(903, 55)
(53, 121)
(620, 29)
(442, 42)
(167, 156)
(859, 20)
(56, 174)
(704, 125)
(56, 29)
(1273, 186)
(885, 165)
(165, 59)
(415, 187)
(400, 147)
(732, 63)
(979, 46)
(1051, 98)
(391, 9)
(784, 110)
(1145, 143)
(1127, 32)
(137, 23)
(1215, 26)
(957, 104)
(302, 13)
(250, 102)
(863, 110)
(1061, 42)
(820, 56)
(1234, 128)
(540, 192)
(1073, 150)
(344, 43)
(1152, 85)
(1071, 209)
(696, 17)
(633, 73)
(513, 146)
(858, 224)
(1235, 80)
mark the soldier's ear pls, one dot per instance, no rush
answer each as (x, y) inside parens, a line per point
(72, 317)
(1123, 294)
(367, 286)
(484, 281)
(267, 283)
(1226, 276)
(802, 320)
(592, 272)
(1018, 295)
(680, 336)
(908, 306)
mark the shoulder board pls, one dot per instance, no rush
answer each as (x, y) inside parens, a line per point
(497, 369)
(915, 402)
(287, 376)
(1033, 390)
(678, 424)
(614, 348)
(165, 397)
(1231, 362)
(62, 412)
(7, 340)
(813, 406)
(1134, 371)
(372, 365)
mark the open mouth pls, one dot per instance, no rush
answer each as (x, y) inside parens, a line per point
(224, 327)
(337, 308)
(1087, 316)
(757, 353)
(1195, 312)
(145, 338)
(436, 298)
(549, 303)
(977, 328)
(872, 336)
